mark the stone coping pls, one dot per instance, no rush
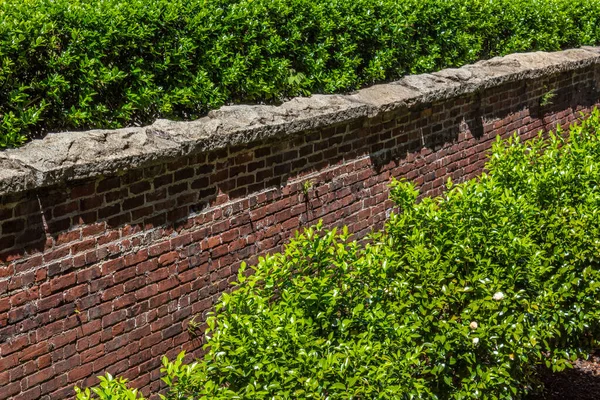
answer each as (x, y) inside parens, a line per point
(62, 157)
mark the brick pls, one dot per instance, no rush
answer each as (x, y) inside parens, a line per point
(116, 343)
(219, 251)
(100, 310)
(85, 218)
(86, 302)
(112, 292)
(177, 214)
(108, 237)
(146, 292)
(11, 389)
(67, 237)
(181, 240)
(163, 180)
(167, 284)
(177, 188)
(156, 195)
(116, 196)
(200, 183)
(141, 213)
(7, 242)
(124, 301)
(39, 377)
(144, 268)
(56, 254)
(108, 184)
(150, 340)
(168, 258)
(88, 274)
(6, 212)
(133, 202)
(178, 164)
(159, 249)
(13, 345)
(90, 203)
(101, 283)
(34, 234)
(4, 304)
(54, 384)
(5, 378)
(13, 226)
(113, 265)
(109, 211)
(75, 293)
(83, 246)
(33, 351)
(125, 274)
(154, 171)
(140, 187)
(86, 189)
(92, 354)
(49, 302)
(62, 282)
(134, 284)
(136, 258)
(80, 372)
(27, 207)
(184, 174)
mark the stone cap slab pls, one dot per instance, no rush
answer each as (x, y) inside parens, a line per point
(66, 156)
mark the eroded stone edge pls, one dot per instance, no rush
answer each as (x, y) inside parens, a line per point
(66, 156)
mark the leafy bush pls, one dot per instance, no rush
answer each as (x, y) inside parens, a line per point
(461, 297)
(78, 64)
(110, 388)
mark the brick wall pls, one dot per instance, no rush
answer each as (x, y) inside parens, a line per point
(102, 275)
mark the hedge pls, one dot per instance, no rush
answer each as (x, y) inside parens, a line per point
(81, 64)
(461, 296)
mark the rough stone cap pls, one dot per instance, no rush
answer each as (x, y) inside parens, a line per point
(66, 156)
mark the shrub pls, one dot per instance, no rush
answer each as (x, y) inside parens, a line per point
(79, 64)
(461, 297)
(110, 388)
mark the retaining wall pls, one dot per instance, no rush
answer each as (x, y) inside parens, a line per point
(111, 241)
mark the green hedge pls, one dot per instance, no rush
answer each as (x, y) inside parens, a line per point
(79, 64)
(461, 297)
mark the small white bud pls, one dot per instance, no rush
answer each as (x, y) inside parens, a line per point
(498, 296)
(473, 325)
(475, 340)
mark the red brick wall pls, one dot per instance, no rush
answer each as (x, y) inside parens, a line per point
(103, 275)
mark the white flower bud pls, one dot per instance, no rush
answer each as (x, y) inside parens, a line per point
(475, 340)
(498, 296)
(473, 325)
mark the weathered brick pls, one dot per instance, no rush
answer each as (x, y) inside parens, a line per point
(90, 203)
(108, 184)
(80, 372)
(140, 187)
(109, 211)
(86, 189)
(136, 258)
(159, 249)
(150, 340)
(133, 202)
(167, 258)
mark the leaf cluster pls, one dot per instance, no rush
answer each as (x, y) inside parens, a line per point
(109, 388)
(81, 64)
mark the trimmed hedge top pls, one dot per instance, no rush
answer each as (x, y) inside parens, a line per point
(80, 64)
